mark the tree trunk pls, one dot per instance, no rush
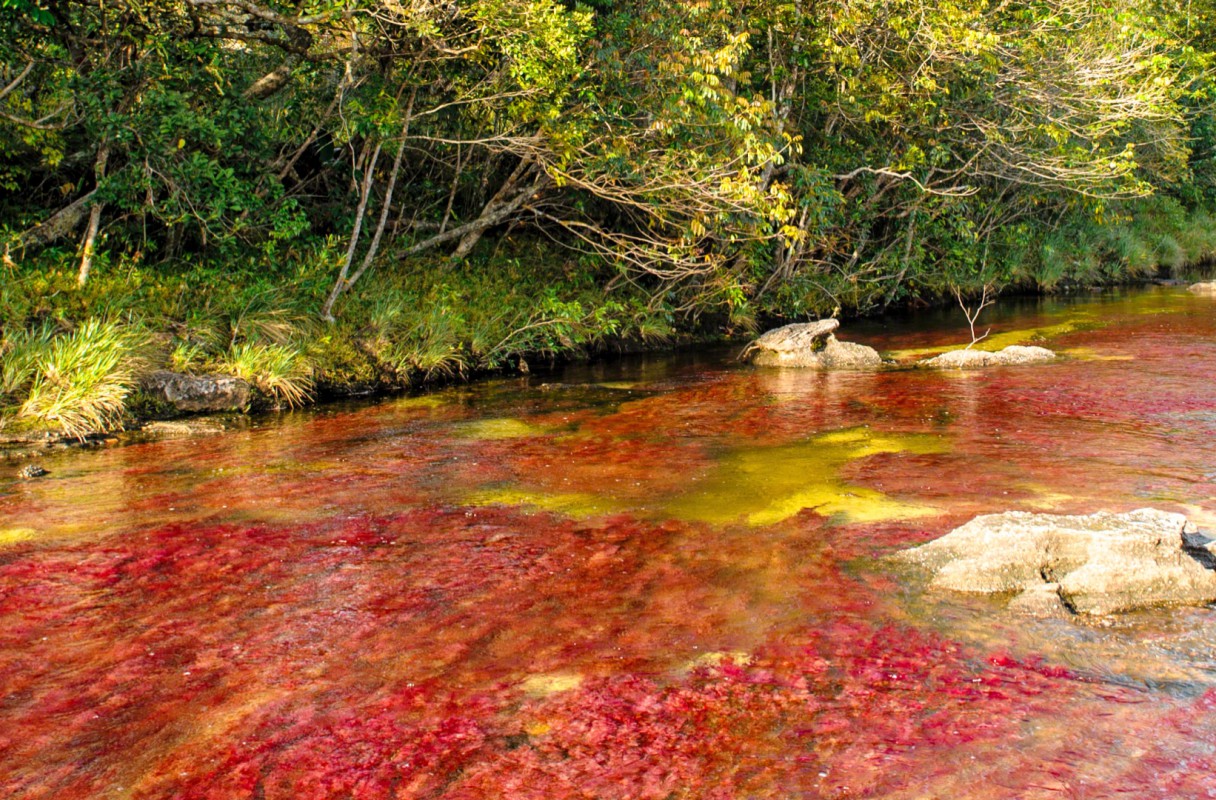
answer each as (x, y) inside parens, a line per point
(271, 82)
(90, 235)
(387, 204)
(365, 193)
(58, 225)
(488, 218)
(507, 195)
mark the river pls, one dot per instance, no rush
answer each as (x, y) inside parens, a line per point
(658, 577)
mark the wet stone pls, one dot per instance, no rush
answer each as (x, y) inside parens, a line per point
(197, 392)
(31, 471)
(796, 337)
(1205, 288)
(811, 345)
(971, 359)
(1096, 564)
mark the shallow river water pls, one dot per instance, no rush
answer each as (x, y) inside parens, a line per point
(655, 578)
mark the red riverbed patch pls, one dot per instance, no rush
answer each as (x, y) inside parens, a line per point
(392, 657)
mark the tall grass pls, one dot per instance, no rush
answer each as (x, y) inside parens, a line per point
(280, 371)
(20, 352)
(77, 382)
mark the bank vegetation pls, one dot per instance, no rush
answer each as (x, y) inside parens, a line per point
(337, 195)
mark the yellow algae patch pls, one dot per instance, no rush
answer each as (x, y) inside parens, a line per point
(572, 504)
(15, 535)
(551, 683)
(1045, 499)
(1090, 354)
(503, 428)
(427, 401)
(998, 341)
(720, 657)
(857, 504)
(620, 385)
(765, 485)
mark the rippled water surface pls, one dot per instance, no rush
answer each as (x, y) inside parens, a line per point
(659, 578)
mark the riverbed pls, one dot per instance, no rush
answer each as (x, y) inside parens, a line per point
(658, 577)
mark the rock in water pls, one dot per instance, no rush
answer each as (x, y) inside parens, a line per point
(813, 345)
(970, 359)
(797, 337)
(33, 471)
(1208, 287)
(1099, 563)
(198, 392)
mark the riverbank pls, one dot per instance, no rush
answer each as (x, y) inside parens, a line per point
(148, 418)
(78, 364)
(77, 361)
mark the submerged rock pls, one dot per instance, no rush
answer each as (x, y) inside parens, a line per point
(812, 345)
(1093, 564)
(197, 392)
(1207, 287)
(971, 359)
(182, 428)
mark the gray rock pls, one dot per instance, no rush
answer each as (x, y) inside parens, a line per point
(1097, 563)
(811, 345)
(197, 392)
(971, 359)
(795, 338)
(1207, 287)
(33, 471)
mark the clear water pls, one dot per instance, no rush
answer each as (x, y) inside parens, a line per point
(654, 578)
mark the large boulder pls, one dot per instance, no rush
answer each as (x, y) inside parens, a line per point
(971, 359)
(1093, 564)
(1207, 287)
(813, 345)
(197, 392)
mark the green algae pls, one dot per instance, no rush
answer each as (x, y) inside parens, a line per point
(577, 505)
(500, 428)
(765, 485)
(1090, 354)
(620, 386)
(428, 402)
(999, 341)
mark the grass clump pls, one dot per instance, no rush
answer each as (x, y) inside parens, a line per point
(75, 382)
(20, 352)
(280, 371)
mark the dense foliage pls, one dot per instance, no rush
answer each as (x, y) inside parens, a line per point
(678, 162)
